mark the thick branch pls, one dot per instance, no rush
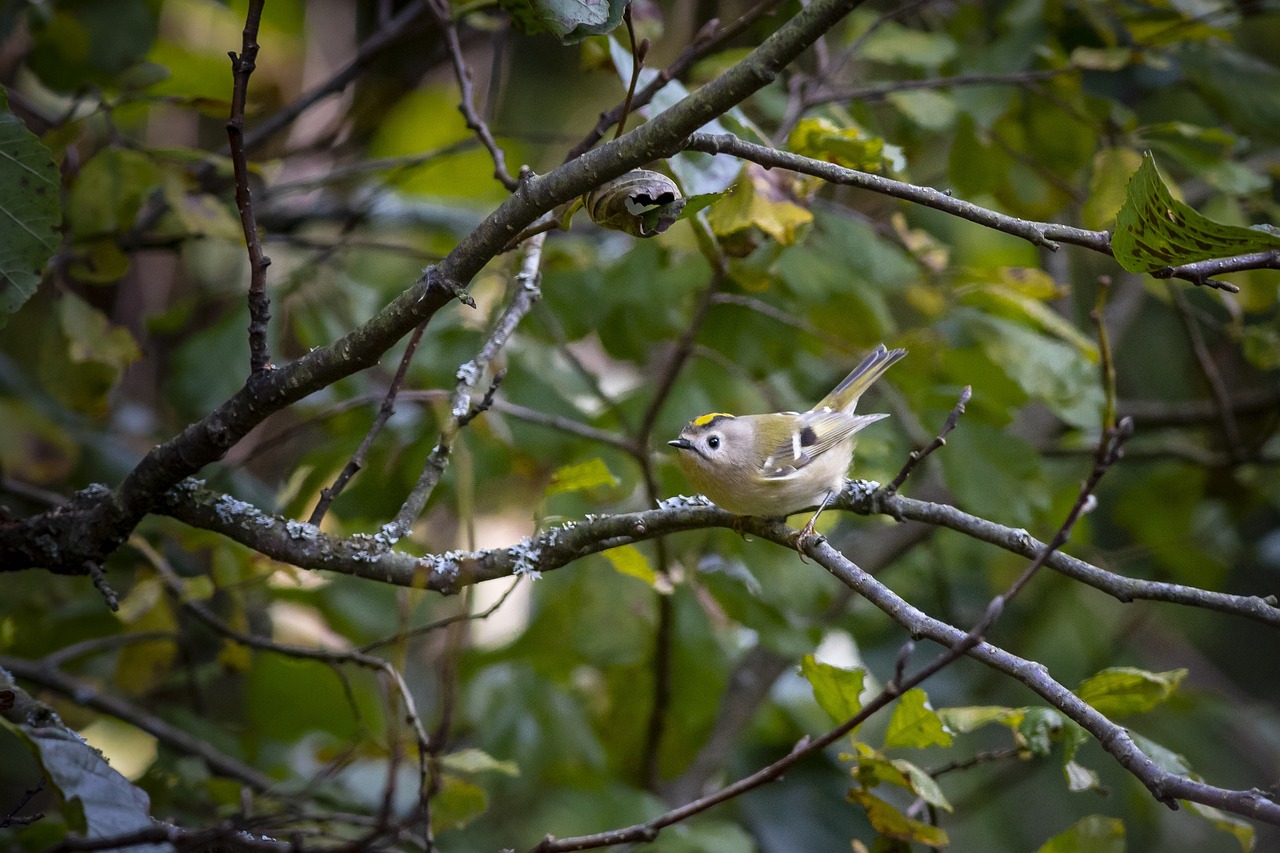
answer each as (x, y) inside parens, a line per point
(64, 540)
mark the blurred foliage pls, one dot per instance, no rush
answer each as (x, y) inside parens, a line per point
(137, 327)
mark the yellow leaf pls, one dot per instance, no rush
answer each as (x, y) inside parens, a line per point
(759, 200)
(628, 560)
(591, 474)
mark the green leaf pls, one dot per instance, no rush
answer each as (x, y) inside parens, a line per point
(570, 21)
(922, 784)
(1122, 690)
(99, 801)
(592, 474)
(1021, 293)
(928, 109)
(474, 760)
(1063, 377)
(1111, 167)
(915, 724)
(838, 691)
(970, 718)
(1080, 778)
(890, 822)
(1154, 230)
(894, 43)
(1092, 834)
(92, 338)
(759, 200)
(1240, 829)
(629, 560)
(30, 211)
(457, 803)
(1039, 728)
(851, 147)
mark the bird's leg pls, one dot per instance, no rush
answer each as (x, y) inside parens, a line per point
(808, 528)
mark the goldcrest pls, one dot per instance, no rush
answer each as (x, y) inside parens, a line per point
(778, 464)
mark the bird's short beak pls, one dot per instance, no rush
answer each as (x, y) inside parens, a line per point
(682, 443)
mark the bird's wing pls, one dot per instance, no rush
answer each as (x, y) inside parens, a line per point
(818, 432)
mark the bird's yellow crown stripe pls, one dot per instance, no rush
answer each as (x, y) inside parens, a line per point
(703, 420)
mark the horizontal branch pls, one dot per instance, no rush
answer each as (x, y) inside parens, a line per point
(373, 557)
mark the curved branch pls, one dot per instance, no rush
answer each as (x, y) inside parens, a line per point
(1046, 234)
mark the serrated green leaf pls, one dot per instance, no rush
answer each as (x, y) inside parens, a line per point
(570, 21)
(1122, 690)
(629, 560)
(851, 147)
(915, 724)
(888, 821)
(1154, 230)
(694, 204)
(1092, 834)
(30, 211)
(592, 474)
(838, 691)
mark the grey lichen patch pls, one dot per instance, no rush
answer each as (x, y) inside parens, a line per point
(301, 530)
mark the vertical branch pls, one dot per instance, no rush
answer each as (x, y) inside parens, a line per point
(1221, 396)
(259, 304)
(638, 52)
(1108, 364)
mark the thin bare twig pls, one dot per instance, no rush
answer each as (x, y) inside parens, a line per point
(409, 633)
(88, 696)
(395, 29)
(710, 38)
(385, 411)
(916, 456)
(1107, 361)
(242, 67)
(477, 125)
(527, 293)
(881, 90)
(1217, 387)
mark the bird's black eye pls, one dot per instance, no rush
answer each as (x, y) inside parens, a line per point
(714, 442)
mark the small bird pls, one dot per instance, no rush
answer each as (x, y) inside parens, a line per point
(780, 463)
